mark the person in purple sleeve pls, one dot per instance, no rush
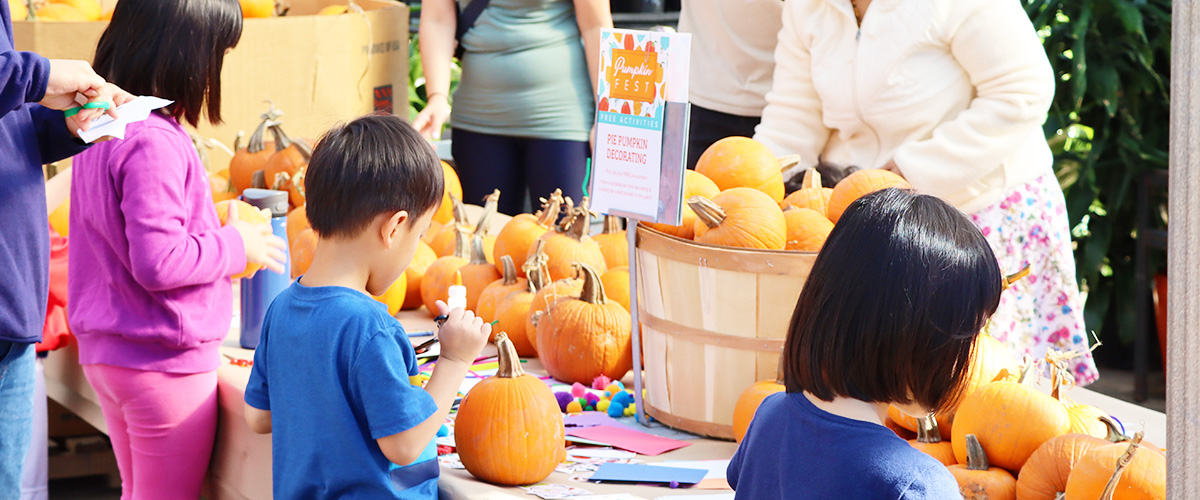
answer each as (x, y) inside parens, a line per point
(149, 277)
(33, 131)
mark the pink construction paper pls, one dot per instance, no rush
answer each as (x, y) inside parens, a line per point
(627, 439)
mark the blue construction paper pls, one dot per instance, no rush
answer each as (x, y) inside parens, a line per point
(639, 473)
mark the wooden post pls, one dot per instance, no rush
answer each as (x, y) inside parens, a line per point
(1183, 256)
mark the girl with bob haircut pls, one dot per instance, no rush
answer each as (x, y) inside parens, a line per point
(151, 298)
(889, 315)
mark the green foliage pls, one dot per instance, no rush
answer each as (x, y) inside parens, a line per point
(1109, 124)
(416, 80)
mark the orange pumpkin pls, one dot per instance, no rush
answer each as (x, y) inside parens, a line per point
(614, 244)
(59, 12)
(544, 298)
(297, 221)
(1085, 419)
(221, 188)
(859, 184)
(811, 194)
(491, 295)
(735, 162)
(521, 231)
(245, 212)
(806, 229)
(694, 184)
(979, 481)
(903, 433)
(1010, 420)
(17, 10)
(990, 360)
(90, 9)
(257, 8)
(107, 15)
(333, 10)
(478, 273)
(1045, 474)
(512, 313)
(443, 273)
(1121, 471)
(579, 339)
(302, 250)
(284, 165)
(252, 158)
(508, 429)
(394, 296)
(452, 187)
(566, 248)
(929, 441)
(751, 398)
(616, 285)
(415, 273)
(740, 217)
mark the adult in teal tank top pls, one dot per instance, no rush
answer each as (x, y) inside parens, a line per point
(524, 110)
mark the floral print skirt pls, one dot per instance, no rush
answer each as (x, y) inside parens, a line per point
(1042, 310)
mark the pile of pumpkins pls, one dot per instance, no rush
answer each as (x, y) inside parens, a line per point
(735, 198)
(1007, 440)
(58, 10)
(271, 8)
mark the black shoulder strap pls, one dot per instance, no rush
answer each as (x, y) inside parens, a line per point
(466, 19)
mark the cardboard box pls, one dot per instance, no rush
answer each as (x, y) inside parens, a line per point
(319, 70)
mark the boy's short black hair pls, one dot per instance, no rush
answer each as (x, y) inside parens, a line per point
(173, 49)
(373, 165)
(893, 304)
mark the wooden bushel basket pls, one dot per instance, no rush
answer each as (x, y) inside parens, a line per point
(713, 322)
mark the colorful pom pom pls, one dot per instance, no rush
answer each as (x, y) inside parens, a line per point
(563, 399)
(574, 407)
(615, 410)
(443, 431)
(601, 382)
(603, 405)
(592, 398)
(578, 390)
(623, 397)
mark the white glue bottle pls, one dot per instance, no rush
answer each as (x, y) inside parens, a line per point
(456, 296)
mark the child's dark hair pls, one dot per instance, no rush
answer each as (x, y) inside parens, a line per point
(373, 165)
(893, 304)
(171, 49)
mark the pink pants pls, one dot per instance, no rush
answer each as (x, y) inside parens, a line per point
(162, 427)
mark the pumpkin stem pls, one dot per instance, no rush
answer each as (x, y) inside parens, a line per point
(706, 210)
(1015, 277)
(510, 363)
(550, 207)
(928, 432)
(259, 179)
(256, 143)
(478, 255)
(612, 224)
(812, 179)
(581, 222)
(283, 141)
(976, 458)
(460, 213)
(510, 269)
(535, 267)
(1025, 369)
(568, 212)
(462, 243)
(779, 371)
(489, 210)
(1114, 431)
(237, 141)
(593, 288)
(1121, 464)
(281, 181)
(787, 162)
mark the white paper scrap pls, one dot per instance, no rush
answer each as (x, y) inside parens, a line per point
(131, 112)
(600, 453)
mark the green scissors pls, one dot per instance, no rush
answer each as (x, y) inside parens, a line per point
(91, 105)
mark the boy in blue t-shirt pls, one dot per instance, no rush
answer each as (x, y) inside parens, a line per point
(331, 372)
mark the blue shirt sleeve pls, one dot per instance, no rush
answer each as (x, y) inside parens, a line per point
(55, 142)
(933, 483)
(23, 78)
(380, 385)
(257, 394)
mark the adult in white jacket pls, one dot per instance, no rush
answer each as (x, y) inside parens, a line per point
(951, 94)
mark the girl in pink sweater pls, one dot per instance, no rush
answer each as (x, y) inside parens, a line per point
(149, 275)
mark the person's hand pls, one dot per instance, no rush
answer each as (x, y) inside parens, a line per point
(430, 120)
(68, 78)
(262, 246)
(463, 335)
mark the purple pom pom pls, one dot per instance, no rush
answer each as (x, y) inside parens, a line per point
(564, 398)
